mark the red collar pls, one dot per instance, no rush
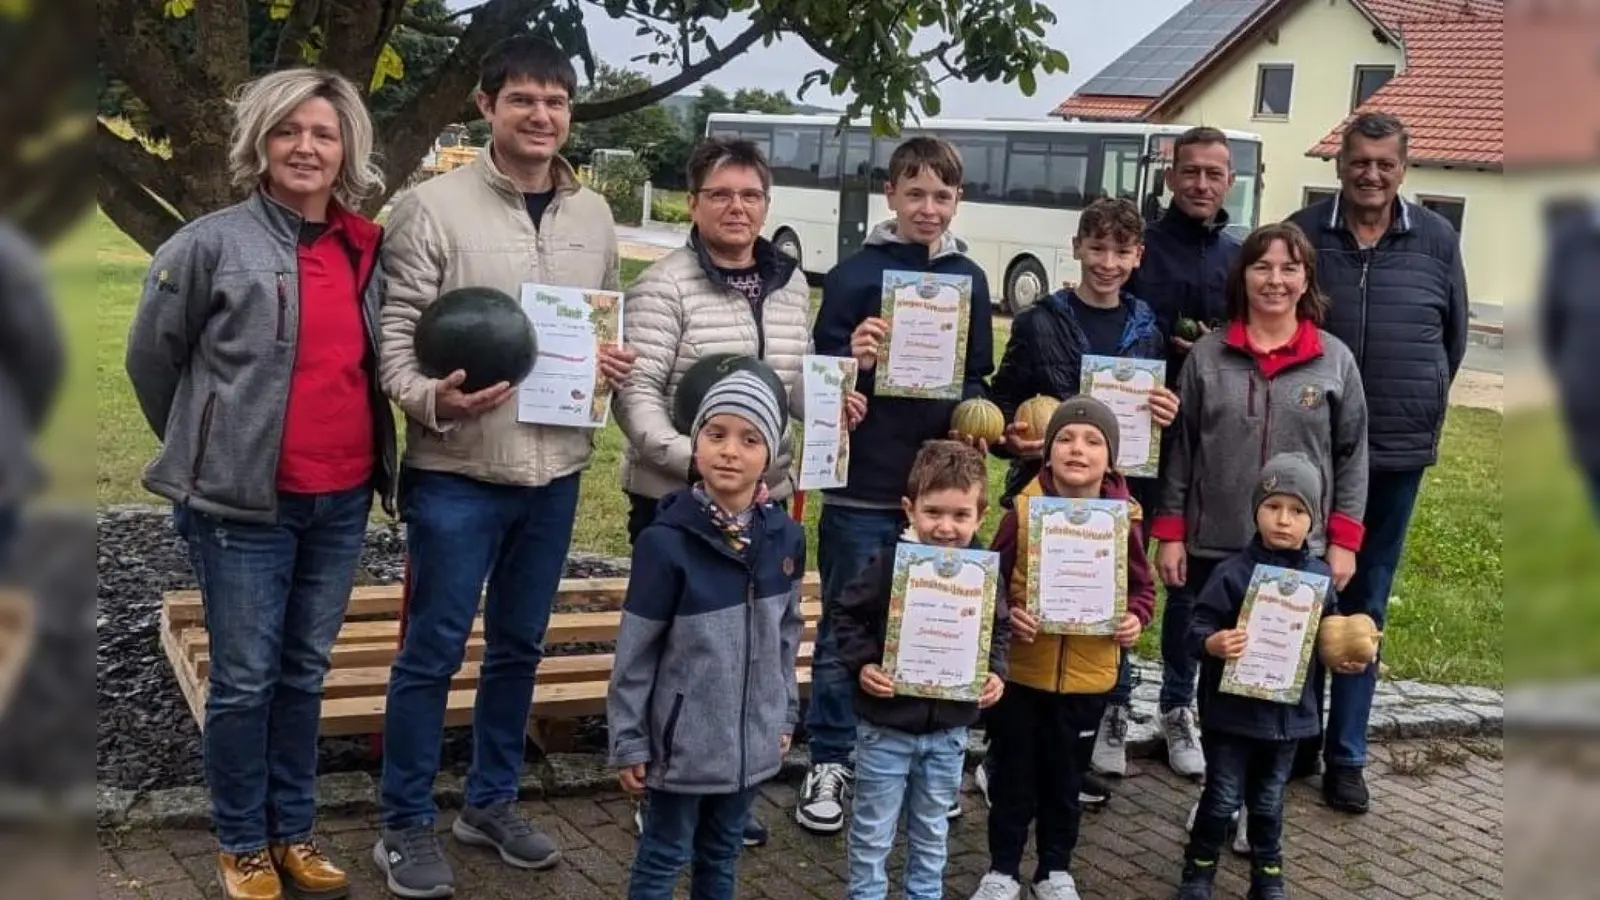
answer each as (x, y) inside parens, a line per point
(1305, 346)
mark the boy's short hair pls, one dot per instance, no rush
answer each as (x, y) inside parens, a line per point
(923, 152)
(944, 465)
(1112, 218)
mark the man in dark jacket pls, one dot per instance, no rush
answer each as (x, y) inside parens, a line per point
(1569, 315)
(1184, 274)
(32, 363)
(1394, 273)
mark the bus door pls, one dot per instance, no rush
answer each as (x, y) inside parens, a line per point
(855, 192)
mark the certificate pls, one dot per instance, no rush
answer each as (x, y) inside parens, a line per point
(1281, 612)
(928, 316)
(941, 620)
(565, 386)
(1076, 554)
(825, 436)
(1125, 385)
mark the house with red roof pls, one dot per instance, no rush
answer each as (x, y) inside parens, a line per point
(1297, 71)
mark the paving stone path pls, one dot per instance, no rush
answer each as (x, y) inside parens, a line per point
(1435, 831)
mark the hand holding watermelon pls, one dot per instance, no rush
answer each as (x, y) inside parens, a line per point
(1020, 442)
(449, 402)
(866, 343)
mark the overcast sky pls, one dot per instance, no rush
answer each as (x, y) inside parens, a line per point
(1091, 32)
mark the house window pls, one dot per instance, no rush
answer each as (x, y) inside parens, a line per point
(1311, 195)
(1454, 209)
(1368, 80)
(1274, 84)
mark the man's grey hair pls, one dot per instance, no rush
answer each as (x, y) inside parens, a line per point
(1375, 126)
(267, 101)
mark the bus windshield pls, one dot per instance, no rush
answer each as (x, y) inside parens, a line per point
(1244, 199)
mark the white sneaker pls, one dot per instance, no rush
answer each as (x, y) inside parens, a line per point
(980, 780)
(1059, 886)
(1183, 743)
(820, 808)
(1241, 837)
(995, 886)
(1111, 744)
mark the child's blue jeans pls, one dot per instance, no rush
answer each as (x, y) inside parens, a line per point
(920, 774)
(705, 831)
(1248, 772)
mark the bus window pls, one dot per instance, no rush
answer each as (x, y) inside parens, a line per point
(1119, 174)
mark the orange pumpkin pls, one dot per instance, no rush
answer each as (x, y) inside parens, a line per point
(1348, 639)
(979, 418)
(1035, 412)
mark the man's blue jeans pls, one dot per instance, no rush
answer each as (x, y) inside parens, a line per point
(705, 831)
(1391, 499)
(1180, 668)
(459, 532)
(1242, 773)
(920, 774)
(274, 599)
(847, 538)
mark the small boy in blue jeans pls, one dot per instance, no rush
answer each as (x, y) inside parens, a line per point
(1250, 743)
(703, 696)
(910, 750)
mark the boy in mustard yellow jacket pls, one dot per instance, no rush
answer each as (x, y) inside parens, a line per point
(1042, 731)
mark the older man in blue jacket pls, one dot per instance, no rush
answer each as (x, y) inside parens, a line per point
(1569, 326)
(1394, 273)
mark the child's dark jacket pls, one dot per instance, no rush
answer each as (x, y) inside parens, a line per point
(860, 619)
(703, 685)
(1217, 609)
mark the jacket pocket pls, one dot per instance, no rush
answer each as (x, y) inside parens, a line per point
(204, 438)
(283, 307)
(669, 733)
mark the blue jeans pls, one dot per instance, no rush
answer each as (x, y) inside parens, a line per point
(274, 598)
(1180, 668)
(1246, 772)
(459, 532)
(703, 830)
(1391, 498)
(921, 773)
(846, 539)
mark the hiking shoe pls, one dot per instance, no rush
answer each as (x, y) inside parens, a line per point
(995, 886)
(821, 806)
(1094, 793)
(503, 828)
(755, 832)
(1059, 886)
(1110, 755)
(248, 876)
(1241, 835)
(413, 863)
(1198, 880)
(1183, 743)
(307, 872)
(1345, 788)
(1266, 883)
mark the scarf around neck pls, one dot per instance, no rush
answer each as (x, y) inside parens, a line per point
(735, 528)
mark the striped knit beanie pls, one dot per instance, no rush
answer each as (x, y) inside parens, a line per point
(745, 395)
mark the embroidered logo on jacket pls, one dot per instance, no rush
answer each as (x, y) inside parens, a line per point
(1310, 396)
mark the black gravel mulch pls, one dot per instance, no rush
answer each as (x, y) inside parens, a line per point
(146, 737)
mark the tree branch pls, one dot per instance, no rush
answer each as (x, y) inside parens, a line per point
(616, 106)
(133, 209)
(815, 42)
(296, 28)
(138, 164)
(224, 37)
(351, 33)
(134, 48)
(430, 26)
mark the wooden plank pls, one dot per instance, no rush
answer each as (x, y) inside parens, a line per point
(368, 601)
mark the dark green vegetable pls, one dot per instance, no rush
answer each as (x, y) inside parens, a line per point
(709, 370)
(479, 330)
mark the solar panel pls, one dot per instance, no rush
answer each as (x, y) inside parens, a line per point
(1167, 53)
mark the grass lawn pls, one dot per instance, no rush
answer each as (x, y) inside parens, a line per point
(1446, 622)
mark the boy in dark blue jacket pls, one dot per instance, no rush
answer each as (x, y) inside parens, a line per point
(858, 520)
(703, 696)
(1249, 743)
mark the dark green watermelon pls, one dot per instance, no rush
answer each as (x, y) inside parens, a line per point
(480, 330)
(707, 371)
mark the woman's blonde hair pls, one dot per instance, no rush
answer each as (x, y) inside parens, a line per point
(267, 101)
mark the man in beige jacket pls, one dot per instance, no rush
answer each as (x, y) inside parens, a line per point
(483, 496)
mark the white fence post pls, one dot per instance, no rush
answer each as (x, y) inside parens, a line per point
(649, 204)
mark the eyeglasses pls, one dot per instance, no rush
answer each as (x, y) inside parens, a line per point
(725, 196)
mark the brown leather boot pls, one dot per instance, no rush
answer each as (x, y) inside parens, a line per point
(308, 874)
(248, 876)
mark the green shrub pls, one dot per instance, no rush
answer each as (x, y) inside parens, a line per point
(621, 182)
(670, 209)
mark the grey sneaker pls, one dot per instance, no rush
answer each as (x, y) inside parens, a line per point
(995, 886)
(820, 809)
(1059, 886)
(503, 828)
(413, 863)
(1183, 743)
(1111, 744)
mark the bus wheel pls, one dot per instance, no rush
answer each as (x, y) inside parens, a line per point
(788, 243)
(1025, 284)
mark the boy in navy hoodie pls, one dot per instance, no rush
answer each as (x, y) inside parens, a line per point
(860, 519)
(1250, 743)
(703, 696)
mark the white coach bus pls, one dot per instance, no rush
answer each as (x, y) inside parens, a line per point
(1026, 182)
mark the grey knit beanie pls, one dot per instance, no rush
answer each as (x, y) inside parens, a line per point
(745, 395)
(1293, 474)
(1082, 408)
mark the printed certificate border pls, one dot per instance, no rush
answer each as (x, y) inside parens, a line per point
(1264, 576)
(1031, 511)
(1122, 369)
(952, 561)
(893, 281)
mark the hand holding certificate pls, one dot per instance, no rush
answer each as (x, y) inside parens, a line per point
(568, 385)
(941, 621)
(1076, 558)
(1282, 609)
(825, 449)
(929, 315)
(1125, 386)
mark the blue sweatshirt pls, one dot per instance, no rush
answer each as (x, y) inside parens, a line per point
(883, 446)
